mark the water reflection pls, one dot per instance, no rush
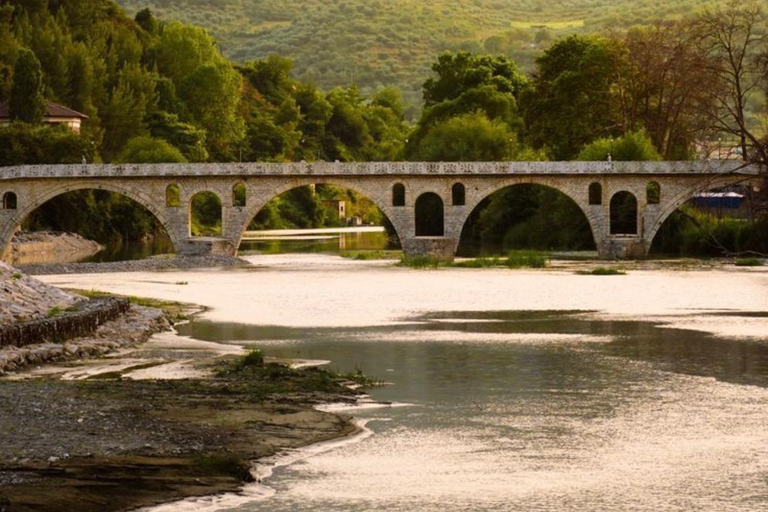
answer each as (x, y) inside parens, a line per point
(534, 411)
(333, 244)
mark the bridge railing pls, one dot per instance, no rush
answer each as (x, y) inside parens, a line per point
(375, 169)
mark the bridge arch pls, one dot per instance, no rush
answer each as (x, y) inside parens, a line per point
(670, 204)
(578, 193)
(429, 215)
(379, 193)
(206, 205)
(623, 219)
(44, 194)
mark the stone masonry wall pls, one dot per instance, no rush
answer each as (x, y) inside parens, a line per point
(82, 322)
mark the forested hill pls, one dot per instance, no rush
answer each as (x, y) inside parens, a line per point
(376, 43)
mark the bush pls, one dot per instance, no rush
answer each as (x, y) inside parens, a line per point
(146, 150)
(26, 144)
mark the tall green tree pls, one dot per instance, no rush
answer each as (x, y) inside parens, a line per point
(467, 84)
(575, 95)
(27, 101)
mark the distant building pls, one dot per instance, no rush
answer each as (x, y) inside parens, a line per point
(721, 204)
(54, 114)
(339, 206)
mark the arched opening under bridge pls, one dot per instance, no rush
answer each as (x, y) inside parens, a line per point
(525, 216)
(205, 214)
(319, 218)
(623, 213)
(125, 228)
(713, 223)
(429, 215)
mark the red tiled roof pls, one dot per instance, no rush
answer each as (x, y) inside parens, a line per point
(52, 110)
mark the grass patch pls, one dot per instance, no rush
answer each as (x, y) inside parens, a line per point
(479, 263)
(602, 271)
(372, 255)
(54, 311)
(748, 262)
(173, 311)
(515, 259)
(260, 380)
(526, 259)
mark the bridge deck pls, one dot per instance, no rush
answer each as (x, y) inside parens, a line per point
(712, 167)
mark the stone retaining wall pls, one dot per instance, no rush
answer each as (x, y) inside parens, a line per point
(89, 316)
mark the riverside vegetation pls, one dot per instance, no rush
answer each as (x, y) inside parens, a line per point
(161, 91)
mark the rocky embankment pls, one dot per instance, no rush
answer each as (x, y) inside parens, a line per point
(29, 248)
(40, 321)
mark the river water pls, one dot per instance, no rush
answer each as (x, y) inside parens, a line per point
(509, 390)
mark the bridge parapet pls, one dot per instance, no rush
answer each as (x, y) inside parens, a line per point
(707, 167)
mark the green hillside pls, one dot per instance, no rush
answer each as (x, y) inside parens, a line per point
(392, 42)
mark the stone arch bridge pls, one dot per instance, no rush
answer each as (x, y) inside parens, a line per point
(648, 191)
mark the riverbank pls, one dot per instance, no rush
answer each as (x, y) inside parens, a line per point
(30, 248)
(132, 430)
(154, 263)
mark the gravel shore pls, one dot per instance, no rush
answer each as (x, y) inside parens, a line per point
(108, 443)
(162, 262)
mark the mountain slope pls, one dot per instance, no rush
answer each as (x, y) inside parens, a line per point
(392, 42)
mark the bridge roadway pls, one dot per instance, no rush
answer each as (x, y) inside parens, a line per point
(624, 202)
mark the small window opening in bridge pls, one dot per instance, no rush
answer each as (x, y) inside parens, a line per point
(398, 194)
(9, 201)
(652, 193)
(238, 195)
(458, 194)
(595, 193)
(205, 214)
(172, 196)
(429, 215)
(623, 214)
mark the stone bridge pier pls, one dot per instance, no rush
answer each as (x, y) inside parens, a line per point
(428, 204)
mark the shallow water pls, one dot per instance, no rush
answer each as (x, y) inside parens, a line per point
(587, 401)
(533, 411)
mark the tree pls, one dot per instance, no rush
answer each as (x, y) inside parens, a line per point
(460, 72)
(575, 96)
(183, 49)
(469, 84)
(467, 138)
(665, 87)
(27, 102)
(212, 95)
(146, 20)
(732, 40)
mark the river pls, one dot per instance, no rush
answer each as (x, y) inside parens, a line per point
(509, 390)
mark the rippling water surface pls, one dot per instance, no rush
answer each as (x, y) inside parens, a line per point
(554, 411)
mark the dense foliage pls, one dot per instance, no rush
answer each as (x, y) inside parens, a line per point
(382, 43)
(157, 90)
